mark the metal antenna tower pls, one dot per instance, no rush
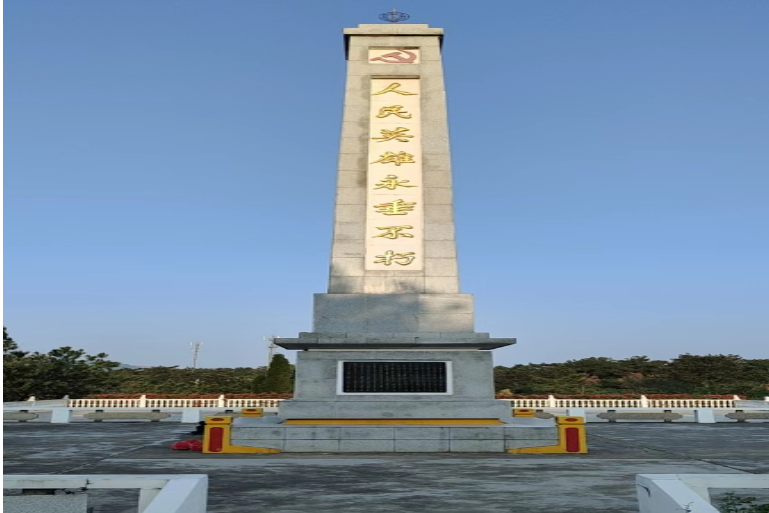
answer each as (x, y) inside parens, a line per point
(271, 347)
(195, 351)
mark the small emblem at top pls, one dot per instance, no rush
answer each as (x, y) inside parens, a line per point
(394, 16)
(401, 56)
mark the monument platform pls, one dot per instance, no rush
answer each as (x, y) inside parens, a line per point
(452, 435)
(418, 340)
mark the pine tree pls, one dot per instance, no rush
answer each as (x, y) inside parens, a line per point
(279, 376)
(62, 371)
(257, 385)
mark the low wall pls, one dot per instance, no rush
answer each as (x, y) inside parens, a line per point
(550, 402)
(674, 493)
(63, 415)
(162, 493)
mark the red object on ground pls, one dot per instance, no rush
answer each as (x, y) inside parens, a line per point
(188, 445)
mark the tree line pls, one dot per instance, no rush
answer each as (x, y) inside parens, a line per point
(687, 374)
(72, 372)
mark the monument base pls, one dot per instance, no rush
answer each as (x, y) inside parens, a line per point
(357, 407)
(510, 433)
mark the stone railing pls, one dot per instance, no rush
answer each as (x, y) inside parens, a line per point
(65, 414)
(143, 402)
(105, 403)
(550, 402)
(641, 402)
(595, 410)
(254, 403)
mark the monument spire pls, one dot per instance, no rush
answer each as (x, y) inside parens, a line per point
(394, 346)
(394, 281)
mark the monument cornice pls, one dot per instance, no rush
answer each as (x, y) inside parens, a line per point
(405, 29)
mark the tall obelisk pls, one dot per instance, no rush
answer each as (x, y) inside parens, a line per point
(394, 337)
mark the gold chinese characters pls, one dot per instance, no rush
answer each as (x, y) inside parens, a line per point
(393, 232)
(399, 134)
(393, 88)
(396, 110)
(392, 246)
(396, 158)
(395, 208)
(391, 182)
(399, 258)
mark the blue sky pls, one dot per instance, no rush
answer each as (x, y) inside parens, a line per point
(170, 170)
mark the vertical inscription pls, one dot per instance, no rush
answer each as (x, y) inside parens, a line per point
(395, 205)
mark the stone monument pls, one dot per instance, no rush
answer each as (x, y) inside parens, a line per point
(394, 342)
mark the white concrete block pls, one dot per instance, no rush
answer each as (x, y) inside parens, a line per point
(705, 415)
(190, 415)
(60, 415)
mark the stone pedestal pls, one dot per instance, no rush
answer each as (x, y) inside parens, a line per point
(269, 432)
(319, 393)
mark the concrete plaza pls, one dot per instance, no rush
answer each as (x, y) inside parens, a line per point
(602, 481)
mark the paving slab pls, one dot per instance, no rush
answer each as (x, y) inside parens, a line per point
(601, 481)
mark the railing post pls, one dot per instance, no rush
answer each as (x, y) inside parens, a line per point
(644, 401)
(221, 402)
(551, 401)
(143, 401)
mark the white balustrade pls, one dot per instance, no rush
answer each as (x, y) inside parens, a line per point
(183, 403)
(642, 402)
(103, 403)
(691, 403)
(551, 402)
(254, 403)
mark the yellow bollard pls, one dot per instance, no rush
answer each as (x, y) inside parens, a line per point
(524, 412)
(217, 436)
(572, 439)
(252, 412)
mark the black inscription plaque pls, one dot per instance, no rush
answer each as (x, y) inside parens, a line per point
(394, 377)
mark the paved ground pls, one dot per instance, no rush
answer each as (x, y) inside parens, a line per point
(601, 481)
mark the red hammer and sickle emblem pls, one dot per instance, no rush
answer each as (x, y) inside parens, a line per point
(397, 58)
